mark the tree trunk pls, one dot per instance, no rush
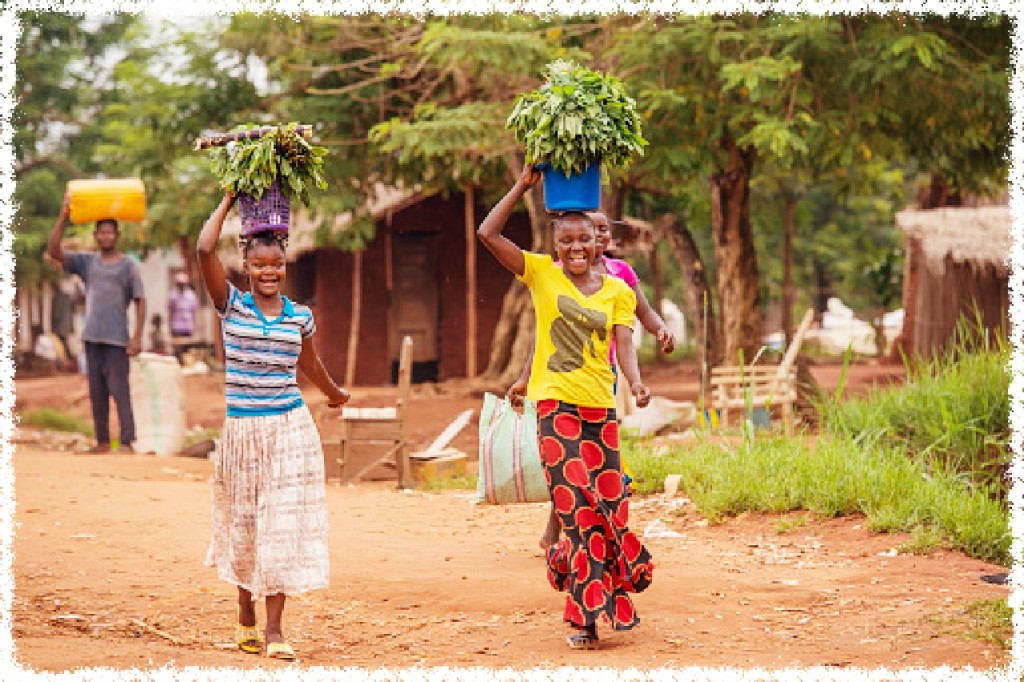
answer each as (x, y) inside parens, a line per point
(471, 245)
(612, 201)
(352, 357)
(737, 280)
(937, 193)
(824, 289)
(698, 295)
(789, 225)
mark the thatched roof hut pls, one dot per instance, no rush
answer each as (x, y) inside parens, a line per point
(957, 265)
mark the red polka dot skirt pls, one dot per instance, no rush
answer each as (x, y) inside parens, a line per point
(599, 561)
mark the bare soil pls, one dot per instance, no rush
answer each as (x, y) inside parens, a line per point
(109, 549)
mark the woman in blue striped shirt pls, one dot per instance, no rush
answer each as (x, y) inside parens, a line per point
(269, 501)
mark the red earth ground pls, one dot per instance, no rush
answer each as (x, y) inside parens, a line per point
(108, 569)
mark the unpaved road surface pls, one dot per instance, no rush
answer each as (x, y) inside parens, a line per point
(109, 571)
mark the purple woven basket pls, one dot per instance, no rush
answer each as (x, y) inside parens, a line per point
(272, 211)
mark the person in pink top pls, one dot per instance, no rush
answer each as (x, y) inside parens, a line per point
(649, 318)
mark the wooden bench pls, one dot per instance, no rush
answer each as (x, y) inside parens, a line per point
(757, 386)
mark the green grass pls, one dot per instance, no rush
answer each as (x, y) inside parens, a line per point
(55, 420)
(953, 412)
(839, 477)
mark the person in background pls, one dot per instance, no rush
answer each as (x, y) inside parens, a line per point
(112, 282)
(181, 307)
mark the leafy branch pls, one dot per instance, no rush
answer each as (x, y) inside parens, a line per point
(577, 117)
(251, 166)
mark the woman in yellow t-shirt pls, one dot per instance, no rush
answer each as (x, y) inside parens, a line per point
(600, 561)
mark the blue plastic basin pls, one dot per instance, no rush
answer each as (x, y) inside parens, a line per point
(578, 192)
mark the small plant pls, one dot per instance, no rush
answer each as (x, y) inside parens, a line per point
(985, 620)
(251, 166)
(787, 523)
(579, 116)
(923, 540)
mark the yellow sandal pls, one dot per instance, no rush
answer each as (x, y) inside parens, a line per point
(280, 650)
(247, 637)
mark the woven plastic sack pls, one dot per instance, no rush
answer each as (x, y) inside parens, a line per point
(116, 198)
(158, 404)
(510, 468)
(272, 211)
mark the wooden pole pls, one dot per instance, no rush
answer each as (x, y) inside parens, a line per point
(659, 294)
(789, 232)
(470, 284)
(353, 328)
(221, 139)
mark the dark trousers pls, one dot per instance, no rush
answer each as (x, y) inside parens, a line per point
(107, 366)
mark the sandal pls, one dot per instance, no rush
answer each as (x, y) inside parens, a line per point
(583, 640)
(280, 650)
(248, 637)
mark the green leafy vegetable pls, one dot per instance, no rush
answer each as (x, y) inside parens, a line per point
(251, 166)
(577, 117)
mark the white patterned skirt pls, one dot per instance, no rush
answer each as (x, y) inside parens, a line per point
(270, 505)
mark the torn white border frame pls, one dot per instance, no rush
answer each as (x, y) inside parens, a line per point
(9, 33)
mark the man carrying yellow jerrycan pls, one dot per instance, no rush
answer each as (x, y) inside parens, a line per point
(112, 281)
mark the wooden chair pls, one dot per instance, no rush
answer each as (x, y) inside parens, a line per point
(372, 441)
(758, 386)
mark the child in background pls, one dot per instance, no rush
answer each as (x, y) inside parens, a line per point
(269, 501)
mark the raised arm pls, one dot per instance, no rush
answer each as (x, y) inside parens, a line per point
(489, 232)
(652, 322)
(206, 248)
(309, 363)
(53, 245)
(626, 355)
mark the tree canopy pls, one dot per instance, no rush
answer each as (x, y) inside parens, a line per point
(839, 113)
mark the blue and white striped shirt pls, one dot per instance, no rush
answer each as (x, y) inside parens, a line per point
(261, 355)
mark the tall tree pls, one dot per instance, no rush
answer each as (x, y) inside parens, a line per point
(62, 83)
(172, 85)
(746, 91)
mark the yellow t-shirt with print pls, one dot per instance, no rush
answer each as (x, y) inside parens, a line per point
(570, 359)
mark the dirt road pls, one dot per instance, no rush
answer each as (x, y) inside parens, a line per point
(109, 571)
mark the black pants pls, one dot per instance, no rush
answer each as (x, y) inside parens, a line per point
(107, 366)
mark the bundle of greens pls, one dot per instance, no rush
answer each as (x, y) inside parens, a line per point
(250, 166)
(579, 116)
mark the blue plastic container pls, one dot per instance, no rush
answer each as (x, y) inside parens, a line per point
(578, 192)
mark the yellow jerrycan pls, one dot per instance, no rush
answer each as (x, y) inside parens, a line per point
(117, 198)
